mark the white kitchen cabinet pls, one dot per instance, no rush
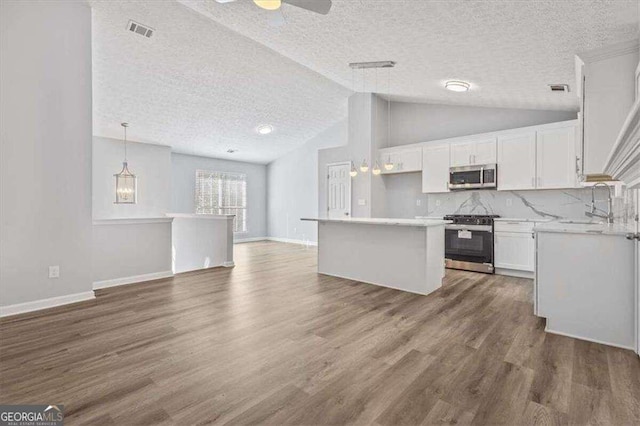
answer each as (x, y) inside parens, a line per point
(556, 158)
(435, 168)
(514, 250)
(514, 246)
(485, 151)
(517, 161)
(462, 153)
(404, 160)
(473, 152)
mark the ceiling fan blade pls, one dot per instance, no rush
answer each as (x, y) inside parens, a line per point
(276, 18)
(319, 6)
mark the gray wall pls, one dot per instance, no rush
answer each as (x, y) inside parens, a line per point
(293, 187)
(413, 122)
(183, 179)
(45, 109)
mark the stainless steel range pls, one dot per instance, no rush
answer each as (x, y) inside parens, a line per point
(469, 243)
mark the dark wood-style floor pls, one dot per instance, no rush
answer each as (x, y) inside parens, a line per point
(272, 342)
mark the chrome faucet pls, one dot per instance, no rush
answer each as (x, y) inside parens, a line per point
(596, 212)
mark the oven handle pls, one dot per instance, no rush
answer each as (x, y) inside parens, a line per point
(484, 228)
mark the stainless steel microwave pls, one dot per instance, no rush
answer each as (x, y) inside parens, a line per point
(473, 177)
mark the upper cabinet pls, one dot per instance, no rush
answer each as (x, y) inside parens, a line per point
(435, 168)
(542, 158)
(473, 152)
(556, 162)
(517, 161)
(536, 157)
(403, 160)
(606, 88)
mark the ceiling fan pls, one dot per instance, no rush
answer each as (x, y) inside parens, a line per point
(318, 6)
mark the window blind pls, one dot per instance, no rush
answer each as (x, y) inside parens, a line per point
(222, 193)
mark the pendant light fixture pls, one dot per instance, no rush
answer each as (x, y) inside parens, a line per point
(353, 172)
(388, 165)
(376, 168)
(364, 167)
(126, 182)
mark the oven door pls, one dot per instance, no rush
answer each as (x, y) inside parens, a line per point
(469, 247)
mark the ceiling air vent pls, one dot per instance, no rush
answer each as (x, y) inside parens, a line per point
(559, 87)
(140, 29)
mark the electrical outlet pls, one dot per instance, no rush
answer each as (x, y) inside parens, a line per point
(362, 202)
(54, 271)
(418, 202)
(438, 203)
(509, 202)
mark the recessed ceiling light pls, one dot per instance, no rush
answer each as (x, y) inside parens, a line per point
(265, 129)
(457, 85)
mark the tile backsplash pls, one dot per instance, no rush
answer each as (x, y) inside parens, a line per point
(405, 199)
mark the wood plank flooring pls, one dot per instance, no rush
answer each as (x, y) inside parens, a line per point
(272, 342)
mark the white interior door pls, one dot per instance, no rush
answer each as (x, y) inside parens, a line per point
(338, 190)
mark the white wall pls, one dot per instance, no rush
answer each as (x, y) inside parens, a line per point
(45, 110)
(293, 187)
(183, 183)
(130, 251)
(152, 166)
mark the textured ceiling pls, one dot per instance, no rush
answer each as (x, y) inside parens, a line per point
(200, 87)
(205, 79)
(509, 50)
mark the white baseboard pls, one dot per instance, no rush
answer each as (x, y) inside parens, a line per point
(574, 336)
(228, 264)
(36, 305)
(279, 240)
(292, 241)
(514, 273)
(249, 240)
(131, 280)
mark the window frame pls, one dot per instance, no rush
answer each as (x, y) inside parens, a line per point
(222, 176)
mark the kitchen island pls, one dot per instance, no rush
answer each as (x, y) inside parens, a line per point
(405, 254)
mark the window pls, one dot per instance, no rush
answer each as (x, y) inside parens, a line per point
(222, 193)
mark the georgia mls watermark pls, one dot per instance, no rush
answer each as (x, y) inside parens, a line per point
(31, 415)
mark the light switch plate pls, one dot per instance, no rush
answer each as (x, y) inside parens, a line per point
(509, 202)
(418, 202)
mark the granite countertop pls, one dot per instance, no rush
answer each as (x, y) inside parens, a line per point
(582, 227)
(423, 223)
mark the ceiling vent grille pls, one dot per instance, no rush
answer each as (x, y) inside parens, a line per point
(143, 30)
(559, 87)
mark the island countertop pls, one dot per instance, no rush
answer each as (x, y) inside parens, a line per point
(421, 223)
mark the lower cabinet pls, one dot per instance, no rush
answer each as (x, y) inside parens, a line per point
(514, 246)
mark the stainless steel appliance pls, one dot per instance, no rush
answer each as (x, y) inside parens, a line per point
(469, 243)
(473, 177)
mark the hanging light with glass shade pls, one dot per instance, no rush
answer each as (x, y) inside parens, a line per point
(353, 172)
(126, 182)
(388, 165)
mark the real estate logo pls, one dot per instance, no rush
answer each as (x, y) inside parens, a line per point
(31, 415)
